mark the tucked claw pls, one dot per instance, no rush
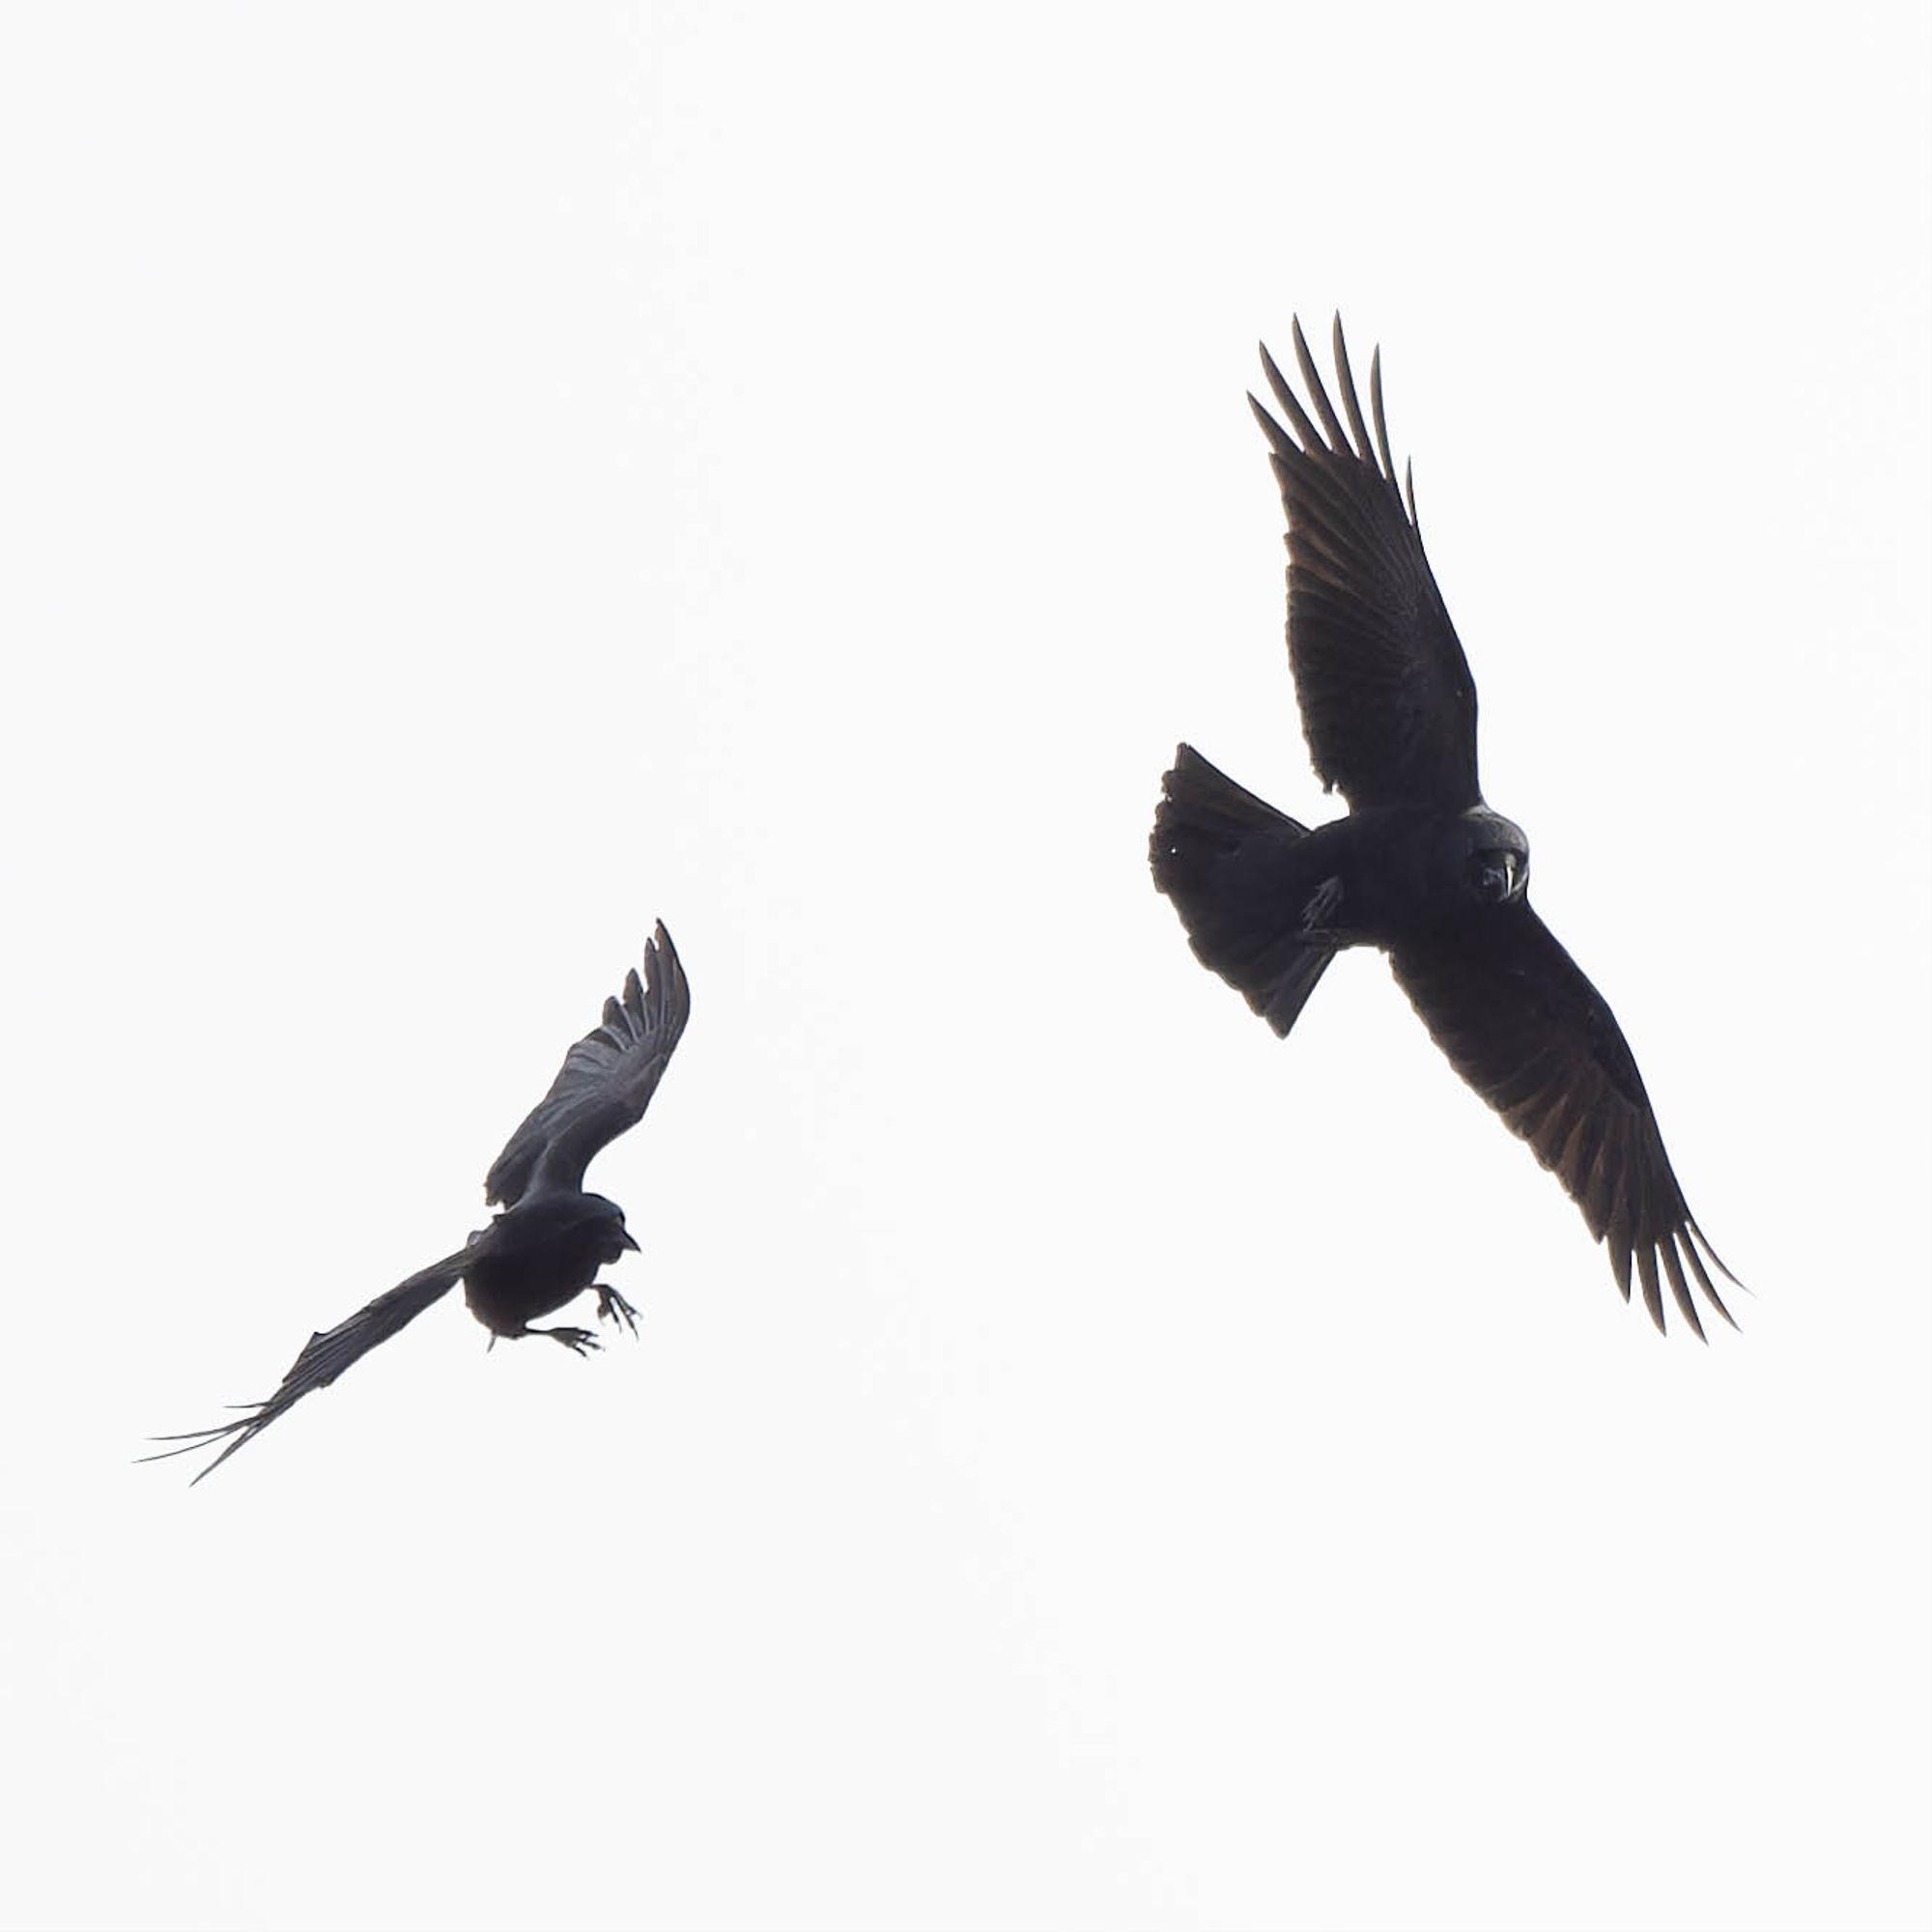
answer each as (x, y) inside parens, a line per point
(612, 1307)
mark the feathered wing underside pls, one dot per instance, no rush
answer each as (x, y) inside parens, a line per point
(326, 1356)
(1523, 1025)
(604, 1085)
(1387, 702)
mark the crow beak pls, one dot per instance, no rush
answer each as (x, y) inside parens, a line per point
(1501, 877)
(631, 1244)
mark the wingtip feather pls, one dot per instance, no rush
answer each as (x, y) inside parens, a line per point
(1694, 1239)
(1351, 402)
(1382, 419)
(1653, 1293)
(1298, 417)
(1680, 1288)
(1335, 437)
(1280, 442)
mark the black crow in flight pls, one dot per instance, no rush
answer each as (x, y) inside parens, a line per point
(546, 1248)
(1420, 867)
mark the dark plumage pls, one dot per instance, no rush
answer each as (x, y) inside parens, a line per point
(546, 1248)
(1420, 867)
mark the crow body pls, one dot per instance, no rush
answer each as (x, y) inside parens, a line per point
(544, 1249)
(1420, 868)
(541, 1255)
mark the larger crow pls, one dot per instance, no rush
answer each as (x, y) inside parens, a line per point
(1420, 867)
(546, 1248)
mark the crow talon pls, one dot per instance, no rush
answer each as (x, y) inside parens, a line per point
(612, 1307)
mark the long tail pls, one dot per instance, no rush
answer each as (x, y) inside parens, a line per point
(1227, 860)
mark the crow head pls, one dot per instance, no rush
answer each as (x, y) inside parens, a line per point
(604, 1223)
(1490, 857)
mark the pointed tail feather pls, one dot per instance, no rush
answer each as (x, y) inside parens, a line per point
(1227, 860)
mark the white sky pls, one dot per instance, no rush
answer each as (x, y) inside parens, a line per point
(480, 478)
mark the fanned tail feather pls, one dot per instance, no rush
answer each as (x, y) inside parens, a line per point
(1226, 859)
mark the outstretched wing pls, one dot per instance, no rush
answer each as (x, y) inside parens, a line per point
(1526, 1030)
(325, 1357)
(1387, 702)
(604, 1085)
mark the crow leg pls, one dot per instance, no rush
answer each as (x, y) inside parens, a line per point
(612, 1307)
(579, 1341)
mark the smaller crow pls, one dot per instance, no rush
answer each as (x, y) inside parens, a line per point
(547, 1247)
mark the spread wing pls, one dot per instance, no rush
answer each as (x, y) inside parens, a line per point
(604, 1085)
(1526, 1030)
(1387, 702)
(325, 1357)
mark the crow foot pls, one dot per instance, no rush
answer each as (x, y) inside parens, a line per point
(612, 1307)
(579, 1341)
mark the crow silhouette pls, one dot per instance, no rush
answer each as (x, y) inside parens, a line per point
(1420, 867)
(546, 1248)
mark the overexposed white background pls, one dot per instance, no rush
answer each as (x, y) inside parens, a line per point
(480, 478)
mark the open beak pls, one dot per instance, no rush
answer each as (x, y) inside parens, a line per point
(1504, 875)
